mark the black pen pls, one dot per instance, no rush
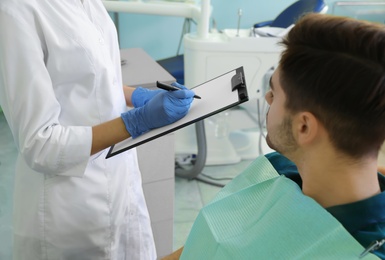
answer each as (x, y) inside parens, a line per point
(171, 88)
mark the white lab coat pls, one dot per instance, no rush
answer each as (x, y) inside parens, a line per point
(60, 75)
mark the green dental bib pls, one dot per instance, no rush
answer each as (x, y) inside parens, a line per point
(262, 215)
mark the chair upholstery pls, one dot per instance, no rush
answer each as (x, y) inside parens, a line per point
(292, 13)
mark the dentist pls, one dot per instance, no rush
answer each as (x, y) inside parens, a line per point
(62, 96)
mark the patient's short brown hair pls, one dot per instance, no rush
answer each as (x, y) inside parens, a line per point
(334, 67)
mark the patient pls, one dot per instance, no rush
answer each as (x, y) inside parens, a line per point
(327, 116)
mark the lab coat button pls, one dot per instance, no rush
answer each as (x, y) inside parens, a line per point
(101, 41)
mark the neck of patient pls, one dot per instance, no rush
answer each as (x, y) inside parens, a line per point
(332, 179)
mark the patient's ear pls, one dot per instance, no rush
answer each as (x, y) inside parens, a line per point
(306, 128)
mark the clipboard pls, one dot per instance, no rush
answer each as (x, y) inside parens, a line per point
(218, 94)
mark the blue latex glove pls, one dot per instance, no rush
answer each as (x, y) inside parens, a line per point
(164, 108)
(140, 96)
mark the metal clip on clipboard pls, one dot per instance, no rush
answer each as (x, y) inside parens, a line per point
(238, 83)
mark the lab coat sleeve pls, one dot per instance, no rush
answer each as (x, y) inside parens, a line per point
(29, 103)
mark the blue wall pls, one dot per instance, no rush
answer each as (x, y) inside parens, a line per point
(159, 36)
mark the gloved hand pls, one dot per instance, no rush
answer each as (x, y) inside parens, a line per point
(140, 96)
(164, 108)
(176, 84)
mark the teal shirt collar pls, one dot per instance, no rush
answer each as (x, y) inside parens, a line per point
(365, 219)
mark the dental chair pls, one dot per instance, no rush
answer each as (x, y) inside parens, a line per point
(292, 13)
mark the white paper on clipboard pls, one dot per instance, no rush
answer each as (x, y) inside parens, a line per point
(218, 94)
